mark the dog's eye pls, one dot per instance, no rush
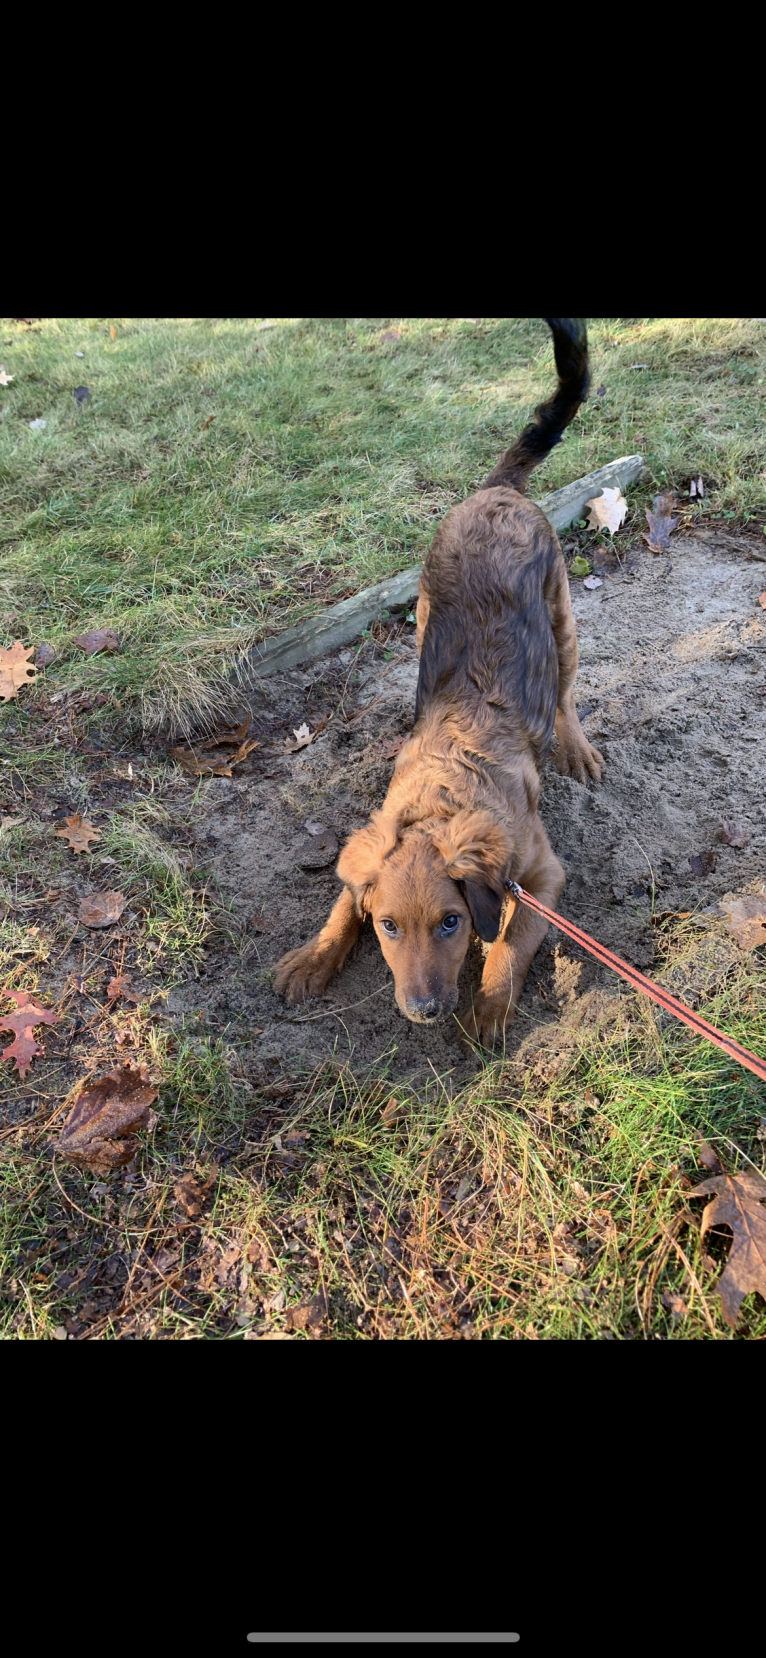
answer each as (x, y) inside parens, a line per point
(450, 923)
(390, 927)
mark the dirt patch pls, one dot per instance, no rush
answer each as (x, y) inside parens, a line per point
(672, 689)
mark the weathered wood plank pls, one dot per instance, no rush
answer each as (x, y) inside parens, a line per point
(342, 622)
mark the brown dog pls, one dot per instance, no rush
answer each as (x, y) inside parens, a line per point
(498, 656)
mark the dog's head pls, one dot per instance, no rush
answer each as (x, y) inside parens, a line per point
(426, 886)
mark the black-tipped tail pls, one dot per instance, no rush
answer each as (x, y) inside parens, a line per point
(570, 346)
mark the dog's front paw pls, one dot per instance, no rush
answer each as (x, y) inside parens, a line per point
(486, 1021)
(302, 973)
(577, 758)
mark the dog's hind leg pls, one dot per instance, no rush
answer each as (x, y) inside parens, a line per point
(510, 957)
(574, 756)
(308, 970)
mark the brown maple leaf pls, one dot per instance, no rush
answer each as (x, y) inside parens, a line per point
(22, 1022)
(738, 1202)
(660, 522)
(79, 832)
(99, 639)
(15, 670)
(100, 1131)
(102, 909)
(215, 756)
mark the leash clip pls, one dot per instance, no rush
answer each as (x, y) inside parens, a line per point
(513, 886)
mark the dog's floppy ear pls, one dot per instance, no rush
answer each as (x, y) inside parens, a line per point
(476, 851)
(360, 861)
(486, 907)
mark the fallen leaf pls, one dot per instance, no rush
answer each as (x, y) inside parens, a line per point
(709, 1158)
(660, 522)
(738, 1203)
(191, 1194)
(592, 582)
(309, 1313)
(79, 832)
(120, 986)
(44, 655)
(607, 510)
(318, 851)
(302, 737)
(745, 917)
(99, 639)
(5, 379)
(762, 601)
(81, 395)
(392, 1111)
(206, 423)
(580, 566)
(113, 330)
(100, 1131)
(392, 334)
(15, 670)
(102, 909)
(733, 834)
(22, 1022)
(10, 822)
(674, 1303)
(215, 756)
(38, 425)
(702, 863)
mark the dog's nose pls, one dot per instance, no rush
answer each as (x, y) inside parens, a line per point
(424, 1007)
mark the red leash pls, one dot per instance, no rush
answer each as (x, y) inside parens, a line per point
(671, 1004)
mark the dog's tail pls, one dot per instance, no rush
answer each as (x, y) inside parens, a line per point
(570, 346)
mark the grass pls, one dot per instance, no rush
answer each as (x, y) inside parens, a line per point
(225, 479)
(551, 1198)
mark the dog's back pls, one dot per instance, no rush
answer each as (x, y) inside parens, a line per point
(488, 644)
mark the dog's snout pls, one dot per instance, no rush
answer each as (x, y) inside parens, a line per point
(425, 1009)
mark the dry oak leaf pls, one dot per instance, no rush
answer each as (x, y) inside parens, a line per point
(120, 986)
(745, 917)
(191, 1194)
(102, 909)
(303, 736)
(100, 1131)
(660, 522)
(738, 1202)
(99, 639)
(23, 1048)
(733, 834)
(79, 832)
(215, 756)
(309, 1314)
(607, 510)
(15, 670)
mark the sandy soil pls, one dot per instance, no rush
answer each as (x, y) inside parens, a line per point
(672, 689)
